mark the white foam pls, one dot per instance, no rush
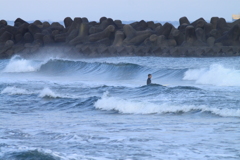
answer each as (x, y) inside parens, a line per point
(46, 92)
(136, 107)
(17, 64)
(216, 74)
(14, 90)
(224, 112)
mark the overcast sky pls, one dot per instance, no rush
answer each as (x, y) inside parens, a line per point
(155, 10)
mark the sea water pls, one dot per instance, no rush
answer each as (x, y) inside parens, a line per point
(101, 108)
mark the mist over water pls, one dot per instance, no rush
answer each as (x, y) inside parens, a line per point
(101, 108)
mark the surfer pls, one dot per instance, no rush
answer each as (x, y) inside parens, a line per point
(149, 79)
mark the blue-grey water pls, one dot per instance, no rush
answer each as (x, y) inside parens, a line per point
(101, 109)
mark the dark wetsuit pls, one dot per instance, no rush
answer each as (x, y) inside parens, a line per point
(149, 81)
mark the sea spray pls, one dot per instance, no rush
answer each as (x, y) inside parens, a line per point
(216, 74)
(18, 64)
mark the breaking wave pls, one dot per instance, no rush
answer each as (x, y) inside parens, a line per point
(216, 74)
(48, 93)
(18, 64)
(109, 103)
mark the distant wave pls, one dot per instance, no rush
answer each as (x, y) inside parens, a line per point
(216, 74)
(60, 65)
(19, 64)
(77, 68)
(50, 93)
(106, 70)
(43, 93)
(134, 107)
(14, 90)
(46, 92)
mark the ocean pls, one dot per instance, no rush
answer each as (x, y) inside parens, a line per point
(54, 108)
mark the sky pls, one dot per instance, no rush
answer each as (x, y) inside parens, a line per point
(125, 10)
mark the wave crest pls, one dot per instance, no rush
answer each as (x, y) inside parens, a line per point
(47, 93)
(69, 66)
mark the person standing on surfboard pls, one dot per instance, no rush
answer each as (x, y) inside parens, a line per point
(149, 79)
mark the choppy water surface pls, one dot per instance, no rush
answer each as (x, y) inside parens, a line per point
(65, 109)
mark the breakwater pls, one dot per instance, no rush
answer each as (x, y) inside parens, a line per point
(108, 37)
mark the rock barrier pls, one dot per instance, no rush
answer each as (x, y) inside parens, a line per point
(108, 37)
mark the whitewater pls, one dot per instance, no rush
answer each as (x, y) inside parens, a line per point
(56, 108)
